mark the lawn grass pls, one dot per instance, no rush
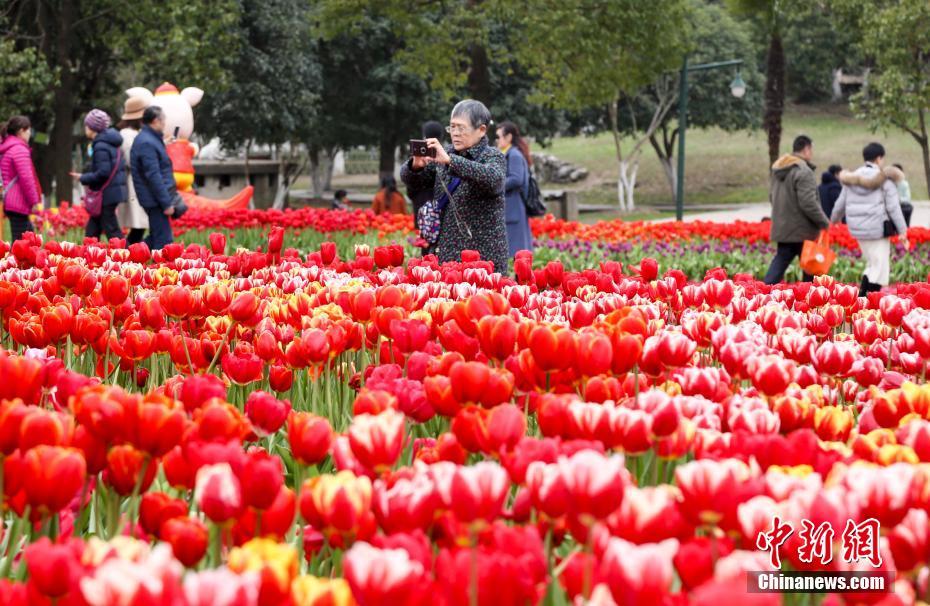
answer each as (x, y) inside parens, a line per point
(733, 167)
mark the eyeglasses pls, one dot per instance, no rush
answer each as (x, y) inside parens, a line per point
(457, 130)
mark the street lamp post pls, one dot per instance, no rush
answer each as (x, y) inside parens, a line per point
(737, 89)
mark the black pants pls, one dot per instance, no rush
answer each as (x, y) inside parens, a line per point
(785, 254)
(105, 223)
(159, 228)
(136, 235)
(19, 224)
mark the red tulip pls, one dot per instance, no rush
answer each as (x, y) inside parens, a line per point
(377, 440)
(40, 426)
(261, 477)
(275, 521)
(406, 505)
(217, 243)
(385, 576)
(266, 412)
(125, 469)
(54, 569)
(275, 240)
(55, 475)
(243, 368)
(176, 301)
(244, 308)
(197, 389)
(339, 505)
(188, 538)
(310, 437)
(507, 568)
(638, 574)
(156, 508)
(218, 493)
(328, 252)
(472, 493)
(497, 335)
(115, 289)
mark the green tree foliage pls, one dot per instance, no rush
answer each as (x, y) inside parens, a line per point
(270, 96)
(896, 40)
(97, 48)
(463, 48)
(603, 55)
(770, 14)
(816, 44)
(25, 81)
(716, 36)
(368, 97)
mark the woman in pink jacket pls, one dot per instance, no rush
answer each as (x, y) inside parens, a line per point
(20, 183)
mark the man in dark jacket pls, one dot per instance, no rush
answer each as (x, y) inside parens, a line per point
(830, 188)
(153, 177)
(107, 171)
(796, 212)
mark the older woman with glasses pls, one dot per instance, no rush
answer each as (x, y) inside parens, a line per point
(467, 181)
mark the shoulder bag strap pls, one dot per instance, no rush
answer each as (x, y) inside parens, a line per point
(119, 156)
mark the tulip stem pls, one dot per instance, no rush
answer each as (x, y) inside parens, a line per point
(12, 542)
(187, 353)
(136, 499)
(83, 512)
(106, 356)
(219, 351)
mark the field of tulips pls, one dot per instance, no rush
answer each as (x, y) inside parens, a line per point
(216, 424)
(693, 248)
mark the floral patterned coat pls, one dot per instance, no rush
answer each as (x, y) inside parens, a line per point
(477, 206)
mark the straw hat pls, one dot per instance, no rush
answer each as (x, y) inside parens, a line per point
(133, 108)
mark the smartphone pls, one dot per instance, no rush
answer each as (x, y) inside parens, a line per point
(177, 129)
(419, 148)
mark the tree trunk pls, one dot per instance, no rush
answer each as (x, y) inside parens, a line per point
(665, 151)
(479, 77)
(316, 171)
(329, 163)
(774, 94)
(627, 183)
(386, 152)
(615, 131)
(61, 140)
(924, 147)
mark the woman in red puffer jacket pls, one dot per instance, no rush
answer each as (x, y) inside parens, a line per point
(21, 191)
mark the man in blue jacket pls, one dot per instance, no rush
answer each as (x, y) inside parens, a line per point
(153, 177)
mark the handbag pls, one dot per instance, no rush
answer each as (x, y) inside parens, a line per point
(888, 228)
(817, 256)
(533, 200)
(429, 217)
(93, 198)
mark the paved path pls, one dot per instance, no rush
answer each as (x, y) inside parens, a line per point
(759, 211)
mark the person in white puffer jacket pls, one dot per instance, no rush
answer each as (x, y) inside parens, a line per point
(869, 199)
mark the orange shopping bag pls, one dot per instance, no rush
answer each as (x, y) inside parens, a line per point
(816, 256)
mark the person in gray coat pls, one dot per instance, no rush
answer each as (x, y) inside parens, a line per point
(869, 199)
(517, 151)
(796, 212)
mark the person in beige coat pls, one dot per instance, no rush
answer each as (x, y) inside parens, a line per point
(872, 208)
(131, 215)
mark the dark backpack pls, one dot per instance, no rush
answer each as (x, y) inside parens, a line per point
(535, 207)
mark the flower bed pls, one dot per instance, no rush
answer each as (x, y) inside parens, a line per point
(694, 248)
(202, 426)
